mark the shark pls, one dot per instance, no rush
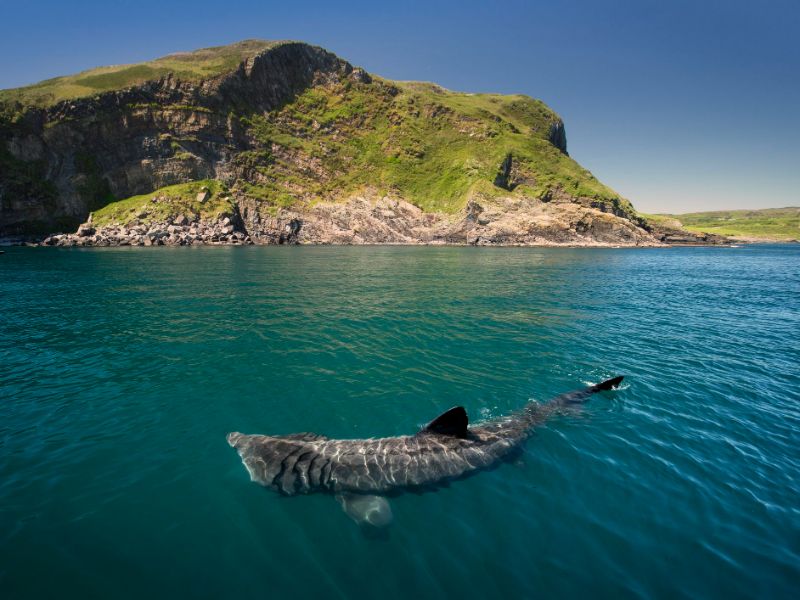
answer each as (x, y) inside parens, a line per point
(363, 473)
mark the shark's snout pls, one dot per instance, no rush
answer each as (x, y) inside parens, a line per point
(233, 438)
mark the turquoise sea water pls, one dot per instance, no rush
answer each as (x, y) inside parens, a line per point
(121, 371)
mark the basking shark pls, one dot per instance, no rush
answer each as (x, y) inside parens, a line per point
(361, 473)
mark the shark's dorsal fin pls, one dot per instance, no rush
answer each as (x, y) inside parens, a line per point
(452, 422)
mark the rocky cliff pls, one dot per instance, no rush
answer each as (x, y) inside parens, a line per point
(291, 144)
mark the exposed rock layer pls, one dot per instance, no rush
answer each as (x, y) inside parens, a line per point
(70, 158)
(370, 220)
(120, 143)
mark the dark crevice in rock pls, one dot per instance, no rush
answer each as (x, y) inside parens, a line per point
(237, 221)
(558, 136)
(473, 211)
(502, 179)
(291, 232)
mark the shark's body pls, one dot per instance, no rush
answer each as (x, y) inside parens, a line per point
(446, 449)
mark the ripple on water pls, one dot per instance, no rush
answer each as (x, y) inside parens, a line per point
(124, 370)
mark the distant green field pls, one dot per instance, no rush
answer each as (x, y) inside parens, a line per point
(767, 223)
(186, 66)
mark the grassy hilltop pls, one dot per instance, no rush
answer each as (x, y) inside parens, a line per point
(186, 66)
(764, 224)
(337, 136)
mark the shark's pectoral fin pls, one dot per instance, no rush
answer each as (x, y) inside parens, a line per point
(453, 422)
(366, 510)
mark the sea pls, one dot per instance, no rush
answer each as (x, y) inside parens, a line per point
(123, 369)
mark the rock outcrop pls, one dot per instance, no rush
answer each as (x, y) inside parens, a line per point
(310, 149)
(673, 234)
(375, 220)
(123, 143)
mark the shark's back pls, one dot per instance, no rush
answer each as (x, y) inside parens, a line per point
(445, 449)
(305, 463)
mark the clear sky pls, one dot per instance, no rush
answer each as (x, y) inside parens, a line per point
(678, 105)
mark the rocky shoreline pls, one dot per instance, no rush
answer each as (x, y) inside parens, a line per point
(176, 232)
(373, 221)
(279, 145)
(383, 221)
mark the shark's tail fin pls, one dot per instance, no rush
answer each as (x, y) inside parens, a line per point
(608, 384)
(583, 395)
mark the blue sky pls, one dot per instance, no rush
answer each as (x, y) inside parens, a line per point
(677, 105)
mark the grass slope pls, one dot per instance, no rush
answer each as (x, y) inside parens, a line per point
(170, 201)
(431, 146)
(767, 224)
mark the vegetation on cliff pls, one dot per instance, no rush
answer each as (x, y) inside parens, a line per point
(208, 199)
(307, 127)
(426, 144)
(185, 66)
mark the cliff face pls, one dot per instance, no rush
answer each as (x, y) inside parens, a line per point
(294, 134)
(122, 143)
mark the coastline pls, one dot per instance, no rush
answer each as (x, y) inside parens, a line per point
(386, 222)
(508, 222)
(32, 243)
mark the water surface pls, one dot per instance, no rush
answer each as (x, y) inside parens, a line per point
(121, 371)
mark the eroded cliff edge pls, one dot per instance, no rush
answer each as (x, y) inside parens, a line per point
(297, 146)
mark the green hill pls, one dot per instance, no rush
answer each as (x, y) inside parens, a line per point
(281, 124)
(762, 224)
(186, 66)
